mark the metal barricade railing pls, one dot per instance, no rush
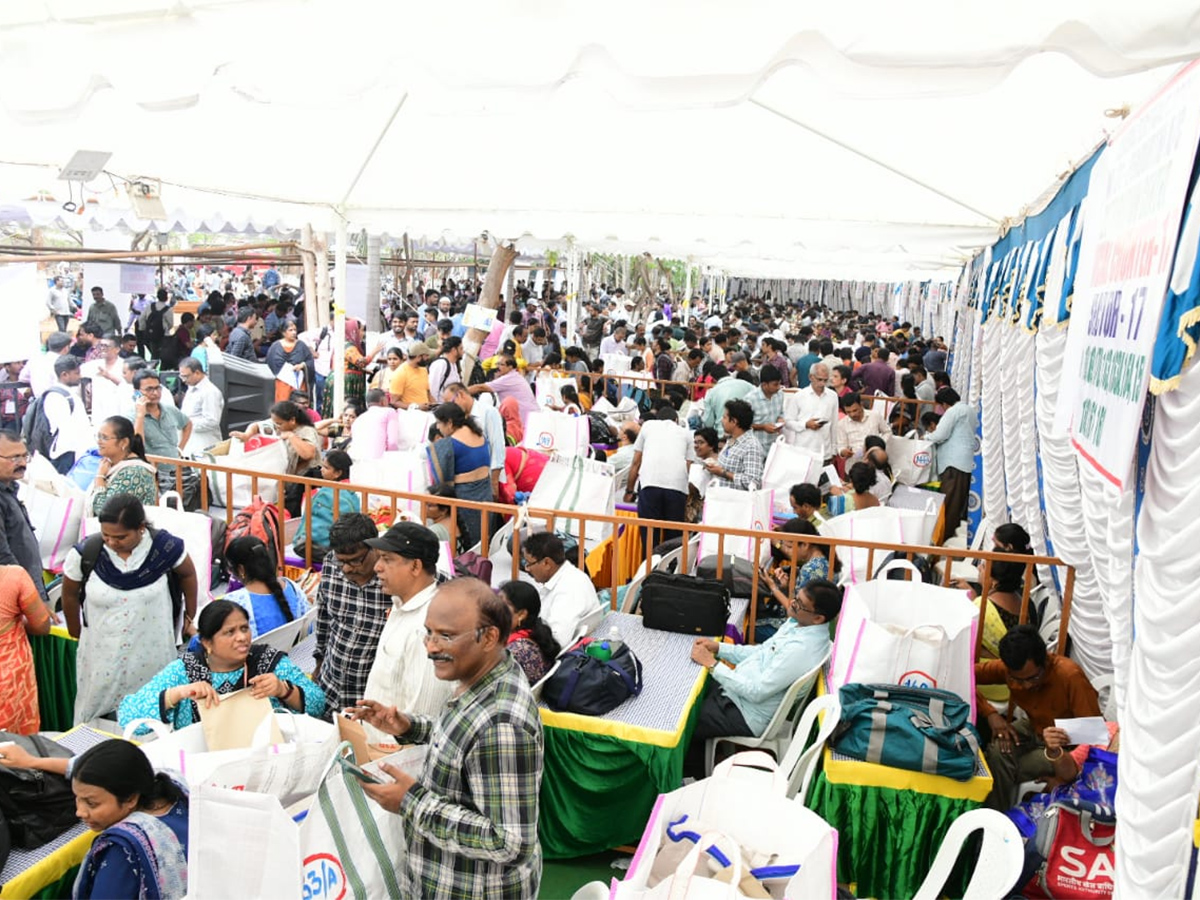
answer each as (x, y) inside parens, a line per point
(618, 524)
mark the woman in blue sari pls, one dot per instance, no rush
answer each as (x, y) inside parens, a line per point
(462, 458)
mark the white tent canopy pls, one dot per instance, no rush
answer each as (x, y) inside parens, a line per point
(865, 140)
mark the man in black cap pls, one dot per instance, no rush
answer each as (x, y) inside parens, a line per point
(402, 674)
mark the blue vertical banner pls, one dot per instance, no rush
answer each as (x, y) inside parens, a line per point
(975, 498)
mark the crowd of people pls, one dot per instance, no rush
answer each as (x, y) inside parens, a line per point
(422, 658)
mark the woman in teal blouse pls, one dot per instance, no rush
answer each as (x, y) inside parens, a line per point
(227, 661)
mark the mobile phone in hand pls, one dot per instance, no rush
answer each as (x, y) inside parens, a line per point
(357, 772)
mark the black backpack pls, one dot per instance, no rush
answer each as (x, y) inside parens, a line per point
(155, 330)
(600, 432)
(89, 551)
(36, 806)
(36, 430)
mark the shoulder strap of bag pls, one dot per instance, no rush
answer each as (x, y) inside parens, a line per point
(572, 681)
(87, 562)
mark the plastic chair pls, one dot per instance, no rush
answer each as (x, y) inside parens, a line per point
(1001, 857)
(669, 562)
(778, 732)
(284, 637)
(593, 890)
(800, 764)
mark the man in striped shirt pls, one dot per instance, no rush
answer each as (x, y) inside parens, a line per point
(470, 819)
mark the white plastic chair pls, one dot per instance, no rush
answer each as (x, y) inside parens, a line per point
(800, 764)
(669, 562)
(307, 622)
(284, 637)
(593, 890)
(778, 732)
(1001, 857)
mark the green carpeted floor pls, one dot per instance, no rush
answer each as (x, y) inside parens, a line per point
(563, 877)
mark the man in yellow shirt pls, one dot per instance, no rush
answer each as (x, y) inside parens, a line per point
(410, 383)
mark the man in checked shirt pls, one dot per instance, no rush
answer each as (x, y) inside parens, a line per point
(470, 820)
(352, 609)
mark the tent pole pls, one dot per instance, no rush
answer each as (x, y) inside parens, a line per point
(339, 315)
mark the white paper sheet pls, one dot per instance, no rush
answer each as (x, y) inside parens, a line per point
(1086, 730)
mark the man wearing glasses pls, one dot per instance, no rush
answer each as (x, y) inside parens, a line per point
(749, 681)
(509, 382)
(402, 674)
(165, 431)
(18, 544)
(470, 818)
(1046, 687)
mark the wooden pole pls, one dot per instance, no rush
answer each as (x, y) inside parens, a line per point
(497, 270)
(339, 317)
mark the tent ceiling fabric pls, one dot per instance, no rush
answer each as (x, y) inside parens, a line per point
(746, 136)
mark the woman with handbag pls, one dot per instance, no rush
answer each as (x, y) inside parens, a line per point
(122, 608)
(227, 660)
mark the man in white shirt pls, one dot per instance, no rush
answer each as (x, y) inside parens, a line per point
(615, 342)
(810, 413)
(41, 368)
(569, 603)
(660, 462)
(71, 433)
(402, 674)
(203, 404)
(854, 427)
(377, 430)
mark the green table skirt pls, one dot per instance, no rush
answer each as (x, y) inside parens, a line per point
(598, 791)
(54, 666)
(61, 889)
(887, 838)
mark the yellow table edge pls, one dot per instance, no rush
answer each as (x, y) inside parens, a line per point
(622, 730)
(865, 774)
(53, 867)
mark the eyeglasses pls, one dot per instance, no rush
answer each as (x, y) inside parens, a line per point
(19, 457)
(1032, 679)
(445, 640)
(104, 438)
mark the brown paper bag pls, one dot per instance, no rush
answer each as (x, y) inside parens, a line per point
(349, 730)
(232, 723)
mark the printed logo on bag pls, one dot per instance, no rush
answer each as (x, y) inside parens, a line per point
(545, 440)
(1083, 869)
(917, 679)
(324, 878)
(921, 459)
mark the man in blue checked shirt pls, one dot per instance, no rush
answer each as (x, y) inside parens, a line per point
(741, 700)
(470, 819)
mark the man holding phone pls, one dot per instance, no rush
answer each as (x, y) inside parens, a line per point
(470, 819)
(808, 414)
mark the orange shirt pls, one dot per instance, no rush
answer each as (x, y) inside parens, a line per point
(1063, 693)
(410, 384)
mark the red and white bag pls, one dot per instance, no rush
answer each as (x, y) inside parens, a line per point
(1075, 838)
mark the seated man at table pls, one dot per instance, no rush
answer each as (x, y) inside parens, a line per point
(1046, 687)
(568, 595)
(741, 700)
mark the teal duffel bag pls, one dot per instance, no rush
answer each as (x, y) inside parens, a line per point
(920, 729)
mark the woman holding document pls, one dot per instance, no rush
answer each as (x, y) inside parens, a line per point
(292, 363)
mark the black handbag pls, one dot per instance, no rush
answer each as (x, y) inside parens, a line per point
(685, 604)
(36, 806)
(589, 686)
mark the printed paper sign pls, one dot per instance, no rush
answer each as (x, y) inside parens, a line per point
(1133, 209)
